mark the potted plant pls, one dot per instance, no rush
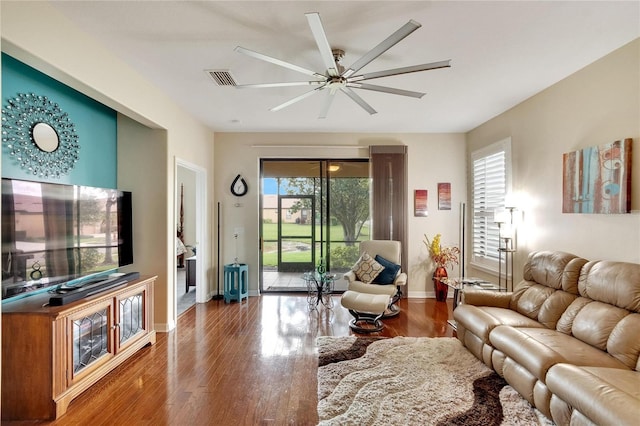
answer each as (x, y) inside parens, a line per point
(443, 257)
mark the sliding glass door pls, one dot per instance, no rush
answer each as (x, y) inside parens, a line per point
(311, 211)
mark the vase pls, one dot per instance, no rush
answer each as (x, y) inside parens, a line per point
(441, 288)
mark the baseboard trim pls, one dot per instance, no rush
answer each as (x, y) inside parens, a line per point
(425, 295)
(164, 328)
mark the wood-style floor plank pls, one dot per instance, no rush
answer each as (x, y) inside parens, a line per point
(253, 363)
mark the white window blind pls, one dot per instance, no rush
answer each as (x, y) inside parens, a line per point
(491, 183)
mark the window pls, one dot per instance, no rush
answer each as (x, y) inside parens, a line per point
(491, 184)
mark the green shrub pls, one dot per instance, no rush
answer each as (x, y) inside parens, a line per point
(344, 256)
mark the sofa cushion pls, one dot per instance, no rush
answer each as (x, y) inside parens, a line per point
(361, 287)
(566, 320)
(538, 349)
(595, 321)
(624, 341)
(532, 299)
(389, 273)
(366, 268)
(607, 396)
(615, 283)
(554, 269)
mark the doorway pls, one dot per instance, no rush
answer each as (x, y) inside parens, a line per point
(190, 204)
(311, 211)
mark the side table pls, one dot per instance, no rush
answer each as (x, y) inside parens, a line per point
(236, 282)
(319, 288)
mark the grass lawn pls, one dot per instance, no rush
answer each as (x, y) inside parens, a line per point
(270, 231)
(291, 254)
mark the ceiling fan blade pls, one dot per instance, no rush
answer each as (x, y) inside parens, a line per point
(385, 45)
(403, 70)
(331, 94)
(384, 89)
(357, 99)
(266, 85)
(277, 62)
(296, 99)
(323, 44)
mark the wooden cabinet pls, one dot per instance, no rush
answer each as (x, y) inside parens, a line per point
(51, 354)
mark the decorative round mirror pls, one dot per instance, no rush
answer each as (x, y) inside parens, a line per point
(45, 137)
(39, 136)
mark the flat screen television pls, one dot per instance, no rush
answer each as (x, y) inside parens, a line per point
(54, 233)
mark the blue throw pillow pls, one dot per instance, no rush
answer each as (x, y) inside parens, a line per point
(389, 272)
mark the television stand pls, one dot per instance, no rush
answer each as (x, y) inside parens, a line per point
(51, 354)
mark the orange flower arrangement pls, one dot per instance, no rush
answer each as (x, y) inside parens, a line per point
(443, 257)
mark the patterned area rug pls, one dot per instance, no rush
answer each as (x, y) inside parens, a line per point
(413, 381)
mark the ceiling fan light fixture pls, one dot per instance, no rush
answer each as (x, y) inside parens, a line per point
(336, 77)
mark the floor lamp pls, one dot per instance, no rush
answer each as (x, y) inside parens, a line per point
(506, 245)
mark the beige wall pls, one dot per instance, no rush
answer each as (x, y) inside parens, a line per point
(597, 105)
(37, 34)
(432, 158)
(137, 144)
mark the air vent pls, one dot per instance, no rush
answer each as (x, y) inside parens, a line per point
(222, 77)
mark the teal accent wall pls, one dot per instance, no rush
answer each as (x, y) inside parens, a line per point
(95, 124)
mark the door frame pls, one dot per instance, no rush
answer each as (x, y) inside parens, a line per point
(325, 225)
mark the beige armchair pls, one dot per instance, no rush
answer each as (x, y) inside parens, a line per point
(391, 251)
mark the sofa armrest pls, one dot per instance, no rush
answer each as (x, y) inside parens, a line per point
(497, 299)
(350, 276)
(401, 279)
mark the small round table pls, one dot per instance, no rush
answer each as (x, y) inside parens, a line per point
(319, 288)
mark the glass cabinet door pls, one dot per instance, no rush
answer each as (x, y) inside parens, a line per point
(90, 339)
(131, 318)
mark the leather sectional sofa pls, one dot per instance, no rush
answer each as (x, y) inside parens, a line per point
(567, 338)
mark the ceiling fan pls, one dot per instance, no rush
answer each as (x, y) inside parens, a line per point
(338, 78)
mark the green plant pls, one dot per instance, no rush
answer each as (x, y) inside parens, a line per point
(344, 256)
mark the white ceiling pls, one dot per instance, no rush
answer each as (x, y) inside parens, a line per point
(501, 53)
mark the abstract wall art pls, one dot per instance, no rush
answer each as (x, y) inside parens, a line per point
(444, 196)
(420, 203)
(598, 179)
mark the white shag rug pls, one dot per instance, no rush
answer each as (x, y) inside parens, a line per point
(413, 381)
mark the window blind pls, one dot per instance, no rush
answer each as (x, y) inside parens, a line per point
(490, 186)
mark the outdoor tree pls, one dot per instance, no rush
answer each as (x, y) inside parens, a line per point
(348, 202)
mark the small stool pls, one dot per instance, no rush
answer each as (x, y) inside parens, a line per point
(236, 282)
(366, 308)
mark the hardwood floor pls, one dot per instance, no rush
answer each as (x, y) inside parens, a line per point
(253, 363)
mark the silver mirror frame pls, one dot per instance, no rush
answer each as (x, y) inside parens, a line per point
(39, 136)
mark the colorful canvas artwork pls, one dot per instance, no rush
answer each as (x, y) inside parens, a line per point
(444, 196)
(598, 179)
(420, 203)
